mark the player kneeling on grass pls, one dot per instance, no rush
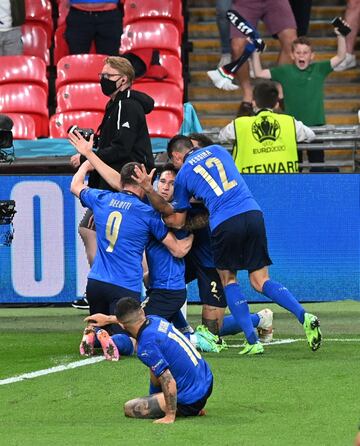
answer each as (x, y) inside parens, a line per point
(180, 379)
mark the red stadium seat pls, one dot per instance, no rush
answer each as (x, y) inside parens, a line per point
(61, 48)
(151, 34)
(39, 13)
(24, 69)
(24, 126)
(63, 7)
(79, 68)
(173, 66)
(35, 42)
(163, 124)
(82, 97)
(61, 122)
(28, 99)
(166, 96)
(159, 10)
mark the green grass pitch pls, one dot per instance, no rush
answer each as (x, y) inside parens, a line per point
(289, 396)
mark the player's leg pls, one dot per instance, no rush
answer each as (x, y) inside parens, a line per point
(262, 320)
(152, 406)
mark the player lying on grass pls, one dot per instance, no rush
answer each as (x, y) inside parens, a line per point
(180, 379)
(238, 234)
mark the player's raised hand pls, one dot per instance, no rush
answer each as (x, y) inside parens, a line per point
(142, 178)
(83, 146)
(99, 320)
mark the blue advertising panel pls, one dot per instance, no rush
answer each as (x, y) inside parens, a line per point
(312, 224)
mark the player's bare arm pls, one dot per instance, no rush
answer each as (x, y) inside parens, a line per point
(78, 181)
(84, 147)
(145, 181)
(99, 320)
(178, 248)
(168, 386)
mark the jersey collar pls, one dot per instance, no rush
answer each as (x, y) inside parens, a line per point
(191, 152)
(142, 328)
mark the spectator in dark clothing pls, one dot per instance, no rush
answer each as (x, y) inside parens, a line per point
(123, 135)
(100, 22)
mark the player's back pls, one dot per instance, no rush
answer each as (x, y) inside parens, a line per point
(124, 225)
(161, 346)
(210, 174)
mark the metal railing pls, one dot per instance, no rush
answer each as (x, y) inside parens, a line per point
(328, 137)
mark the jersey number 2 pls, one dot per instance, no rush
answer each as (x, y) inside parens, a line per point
(210, 162)
(112, 229)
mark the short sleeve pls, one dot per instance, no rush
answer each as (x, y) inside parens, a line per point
(88, 197)
(182, 195)
(151, 356)
(324, 67)
(277, 73)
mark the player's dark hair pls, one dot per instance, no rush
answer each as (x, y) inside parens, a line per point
(179, 143)
(201, 139)
(266, 94)
(301, 40)
(169, 167)
(125, 307)
(127, 171)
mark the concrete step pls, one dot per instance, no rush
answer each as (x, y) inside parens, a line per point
(210, 92)
(318, 44)
(230, 107)
(199, 77)
(209, 29)
(208, 60)
(207, 13)
(209, 121)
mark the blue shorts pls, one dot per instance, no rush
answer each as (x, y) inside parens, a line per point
(211, 291)
(164, 303)
(102, 298)
(240, 243)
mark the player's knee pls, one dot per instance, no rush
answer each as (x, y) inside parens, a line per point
(257, 283)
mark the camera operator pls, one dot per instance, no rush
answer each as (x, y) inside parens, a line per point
(122, 136)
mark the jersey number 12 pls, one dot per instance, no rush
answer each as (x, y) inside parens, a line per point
(226, 185)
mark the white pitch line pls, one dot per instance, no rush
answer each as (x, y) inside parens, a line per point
(59, 368)
(291, 341)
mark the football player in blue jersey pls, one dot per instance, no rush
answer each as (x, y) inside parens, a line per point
(124, 226)
(180, 379)
(238, 235)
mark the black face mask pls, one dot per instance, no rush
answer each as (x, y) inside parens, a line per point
(107, 86)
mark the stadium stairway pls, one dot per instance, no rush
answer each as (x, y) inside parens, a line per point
(216, 108)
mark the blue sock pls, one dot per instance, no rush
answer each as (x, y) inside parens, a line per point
(231, 327)
(181, 323)
(240, 310)
(282, 296)
(124, 344)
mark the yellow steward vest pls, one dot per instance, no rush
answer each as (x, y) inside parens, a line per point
(265, 143)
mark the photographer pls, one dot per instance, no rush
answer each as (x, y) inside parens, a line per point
(122, 136)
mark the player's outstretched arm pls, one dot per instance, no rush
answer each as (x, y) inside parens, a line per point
(144, 180)
(259, 71)
(341, 49)
(100, 319)
(111, 176)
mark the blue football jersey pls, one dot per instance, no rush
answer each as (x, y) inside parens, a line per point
(161, 346)
(209, 174)
(124, 225)
(166, 272)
